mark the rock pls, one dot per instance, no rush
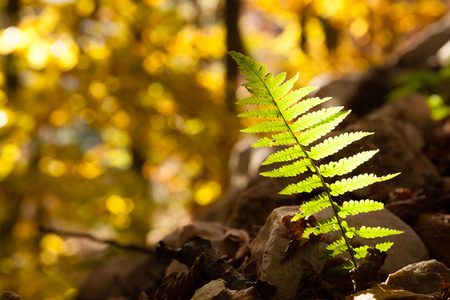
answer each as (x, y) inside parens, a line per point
(422, 277)
(224, 240)
(123, 277)
(267, 250)
(268, 247)
(255, 204)
(214, 290)
(412, 108)
(408, 247)
(7, 295)
(400, 146)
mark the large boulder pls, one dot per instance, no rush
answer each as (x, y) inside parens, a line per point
(268, 247)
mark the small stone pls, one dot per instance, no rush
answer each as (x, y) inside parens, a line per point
(422, 277)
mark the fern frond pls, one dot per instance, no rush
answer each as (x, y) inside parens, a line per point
(288, 154)
(290, 170)
(313, 118)
(299, 108)
(346, 165)
(337, 247)
(332, 145)
(352, 207)
(304, 186)
(294, 96)
(374, 232)
(345, 185)
(320, 129)
(384, 246)
(254, 100)
(266, 126)
(291, 124)
(313, 206)
(266, 113)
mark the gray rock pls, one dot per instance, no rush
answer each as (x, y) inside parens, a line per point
(268, 247)
(422, 277)
(400, 146)
(267, 250)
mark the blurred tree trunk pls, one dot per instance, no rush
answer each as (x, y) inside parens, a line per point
(234, 43)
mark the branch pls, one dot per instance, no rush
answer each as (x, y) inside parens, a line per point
(115, 244)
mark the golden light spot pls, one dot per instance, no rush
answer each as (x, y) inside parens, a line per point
(109, 104)
(48, 258)
(9, 40)
(117, 157)
(76, 102)
(121, 120)
(211, 80)
(52, 243)
(26, 122)
(69, 60)
(207, 192)
(59, 117)
(97, 49)
(157, 122)
(85, 7)
(11, 152)
(193, 126)
(3, 118)
(97, 90)
(88, 115)
(38, 54)
(166, 107)
(155, 62)
(359, 27)
(90, 169)
(396, 11)
(56, 168)
(121, 222)
(118, 205)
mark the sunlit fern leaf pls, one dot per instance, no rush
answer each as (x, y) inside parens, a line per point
(346, 165)
(284, 155)
(352, 207)
(290, 170)
(332, 145)
(304, 186)
(357, 182)
(384, 246)
(313, 206)
(337, 247)
(292, 124)
(296, 95)
(266, 126)
(310, 119)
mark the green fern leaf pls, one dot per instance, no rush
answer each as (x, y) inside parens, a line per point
(345, 185)
(346, 165)
(351, 208)
(291, 170)
(288, 154)
(320, 129)
(304, 186)
(262, 100)
(313, 118)
(332, 145)
(294, 96)
(290, 124)
(267, 126)
(313, 206)
(384, 246)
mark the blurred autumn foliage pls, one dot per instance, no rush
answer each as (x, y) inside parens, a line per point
(117, 117)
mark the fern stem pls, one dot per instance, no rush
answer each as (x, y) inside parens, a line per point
(316, 171)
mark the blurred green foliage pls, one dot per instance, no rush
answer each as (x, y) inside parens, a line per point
(114, 116)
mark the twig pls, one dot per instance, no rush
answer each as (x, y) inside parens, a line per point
(115, 244)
